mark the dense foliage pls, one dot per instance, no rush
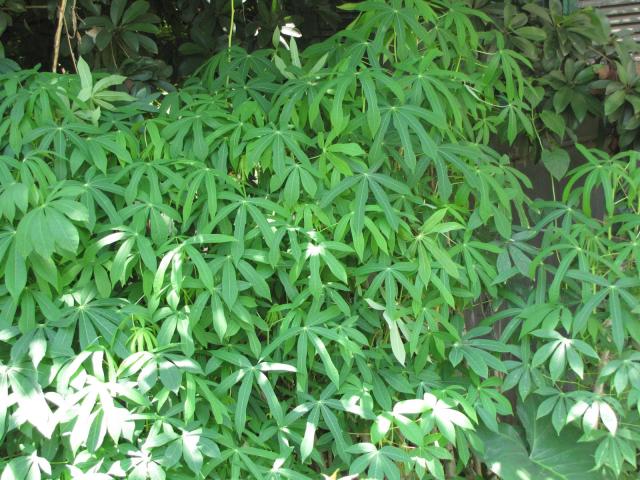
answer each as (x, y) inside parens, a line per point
(311, 261)
(155, 40)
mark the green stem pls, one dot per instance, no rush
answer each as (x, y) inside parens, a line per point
(233, 15)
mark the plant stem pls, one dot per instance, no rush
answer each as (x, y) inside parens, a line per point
(599, 386)
(56, 40)
(66, 29)
(233, 15)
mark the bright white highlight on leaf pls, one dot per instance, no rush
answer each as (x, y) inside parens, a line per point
(314, 250)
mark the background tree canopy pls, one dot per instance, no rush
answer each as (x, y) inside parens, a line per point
(228, 251)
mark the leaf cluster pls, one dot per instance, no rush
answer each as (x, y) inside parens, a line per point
(307, 261)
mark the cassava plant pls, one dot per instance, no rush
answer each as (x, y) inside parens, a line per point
(311, 262)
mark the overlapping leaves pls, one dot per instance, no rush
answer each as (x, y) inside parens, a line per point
(230, 285)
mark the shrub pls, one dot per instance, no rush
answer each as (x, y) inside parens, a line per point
(312, 262)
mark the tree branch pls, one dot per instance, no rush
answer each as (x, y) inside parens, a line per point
(56, 40)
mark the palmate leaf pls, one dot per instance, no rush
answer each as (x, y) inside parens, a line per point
(173, 444)
(14, 196)
(68, 140)
(617, 293)
(370, 81)
(429, 248)
(318, 253)
(435, 412)
(200, 187)
(296, 180)
(477, 352)
(96, 197)
(625, 370)
(92, 319)
(521, 373)
(22, 381)
(610, 179)
(164, 365)
(34, 170)
(176, 320)
(436, 87)
(50, 228)
(382, 463)
(513, 456)
(406, 120)
(320, 332)
(191, 248)
(476, 257)
(148, 180)
(387, 282)
(561, 350)
(593, 412)
(366, 183)
(247, 375)
(259, 211)
(99, 412)
(273, 143)
(241, 457)
(133, 247)
(489, 403)
(197, 144)
(456, 28)
(315, 409)
(337, 155)
(384, 18)
(238, 66)
(302, 95)
(26, 467)
(557, 404)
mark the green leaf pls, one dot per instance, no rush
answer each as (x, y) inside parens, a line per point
(331, 370)
(553, 122)
(397, 347)
(535, 456)
(191, 452)
(15, 272)
(170, 375)
(617, 320)
(229, 284)
(558, 362)
(614, 101)
(556, 162)
(117, 8)
(609, 418)
(86, 81)
(351, 149)
(531, 33)
(218, 316)
(581, 317)
(242, 403)
(306, 447)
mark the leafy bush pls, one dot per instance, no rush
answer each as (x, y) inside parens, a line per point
(569, 62)
(311, 262)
